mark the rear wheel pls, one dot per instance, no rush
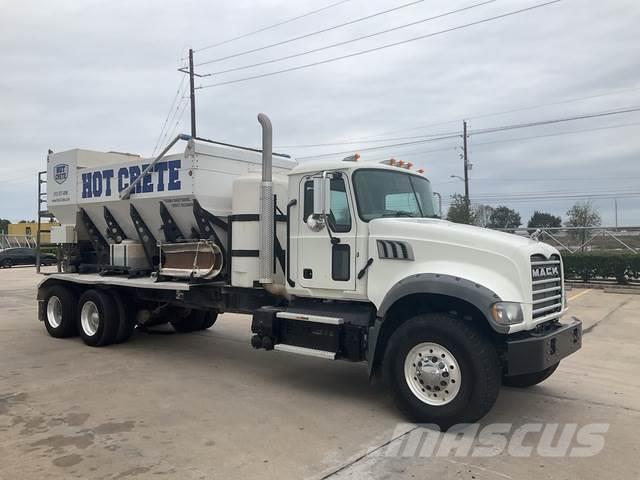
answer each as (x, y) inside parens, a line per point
(98, 318)
(529, 379)
(195, 320)
(441, 370)
(60, 312)
(7, 263)
(126, 318)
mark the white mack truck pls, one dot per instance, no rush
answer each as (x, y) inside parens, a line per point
(340, 260)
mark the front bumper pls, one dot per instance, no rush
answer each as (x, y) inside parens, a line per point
(532, 352)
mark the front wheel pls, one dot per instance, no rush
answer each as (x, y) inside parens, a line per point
(7, 263)
(441, 370)
(529, 379)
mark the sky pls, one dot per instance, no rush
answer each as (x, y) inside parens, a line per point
(102, 75)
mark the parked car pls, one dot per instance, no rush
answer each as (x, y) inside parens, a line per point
(24, 256)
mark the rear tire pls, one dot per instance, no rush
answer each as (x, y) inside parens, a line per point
(529, 379)
(8, 263)
(441, 371)
(60, 312)
(195, 320)
(98, 318)
(126, 318)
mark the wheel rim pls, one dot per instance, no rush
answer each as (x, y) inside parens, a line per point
(54, 311)
(432, 374)
(90, 318)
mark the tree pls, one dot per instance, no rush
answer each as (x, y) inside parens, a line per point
(543, 220)
(582, 215)
(482, 214)
(460, 210)
(4, 225)
(505, 218)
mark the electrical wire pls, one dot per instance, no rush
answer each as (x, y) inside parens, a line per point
(166, 120)
(307, 35)
(269, 27)
(382, 47)
(352, 40)
(502, 128)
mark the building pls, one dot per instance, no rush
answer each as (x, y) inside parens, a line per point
(30, 229)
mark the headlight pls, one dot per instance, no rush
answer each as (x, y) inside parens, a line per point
(507, 313)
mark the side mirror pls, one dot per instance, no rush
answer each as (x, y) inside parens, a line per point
(321, 195)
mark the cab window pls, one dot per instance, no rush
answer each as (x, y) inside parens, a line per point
(339, 216)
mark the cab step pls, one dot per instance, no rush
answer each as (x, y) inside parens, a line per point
(310, 352)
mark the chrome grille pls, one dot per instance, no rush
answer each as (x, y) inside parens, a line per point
(546, 277)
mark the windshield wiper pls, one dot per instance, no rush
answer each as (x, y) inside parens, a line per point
(399, 213)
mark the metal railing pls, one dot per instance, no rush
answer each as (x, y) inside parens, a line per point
(584, 239)
(11, 241)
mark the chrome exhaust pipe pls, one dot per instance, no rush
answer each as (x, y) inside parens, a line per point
(267, 208)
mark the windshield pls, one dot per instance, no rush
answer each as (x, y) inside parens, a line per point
(388, 193)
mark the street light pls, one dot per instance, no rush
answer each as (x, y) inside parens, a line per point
(458, 177)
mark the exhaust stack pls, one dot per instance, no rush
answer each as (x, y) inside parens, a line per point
(267, 208)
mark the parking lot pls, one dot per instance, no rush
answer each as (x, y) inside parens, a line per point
(206, 405)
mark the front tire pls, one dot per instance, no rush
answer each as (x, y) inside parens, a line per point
(8, 263)
(529, 379)
(441, 370)
(60, 312)
(98, 318)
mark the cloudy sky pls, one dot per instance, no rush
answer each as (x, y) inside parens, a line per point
(102, 74)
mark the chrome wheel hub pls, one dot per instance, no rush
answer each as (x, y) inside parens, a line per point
(54, 311)
(90, 318)
(432, 373)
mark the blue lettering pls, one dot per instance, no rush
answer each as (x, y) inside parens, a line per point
(107, 175)
(86, 185)
(174, 172)
(123, 174)
(147, 186)
(134, 172)
(160, 167)
(97, 184)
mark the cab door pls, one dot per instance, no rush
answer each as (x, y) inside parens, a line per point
(324, 263)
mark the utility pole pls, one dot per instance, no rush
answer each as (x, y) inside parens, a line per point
(615, 202)
(192, 91)
(466, 164)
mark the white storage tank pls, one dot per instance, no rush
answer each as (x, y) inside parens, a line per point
(245, 240)
(93, 180)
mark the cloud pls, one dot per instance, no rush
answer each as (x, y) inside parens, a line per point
(101, 74)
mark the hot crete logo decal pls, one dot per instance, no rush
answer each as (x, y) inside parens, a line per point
(99, 183)
(61, 173)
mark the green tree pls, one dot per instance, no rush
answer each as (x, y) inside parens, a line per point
(543, 220)
(583, 215)
(460, 210)
(504, 217)
(4, 225)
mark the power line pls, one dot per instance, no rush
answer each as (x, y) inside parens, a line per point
(269, 27)
(381, 147)
(559, 120)
(502, 128)
(177, 116)
(382, 47)
(317, 32)
(519, 139)
(166, 120)
(472, 117)
(352, 40)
